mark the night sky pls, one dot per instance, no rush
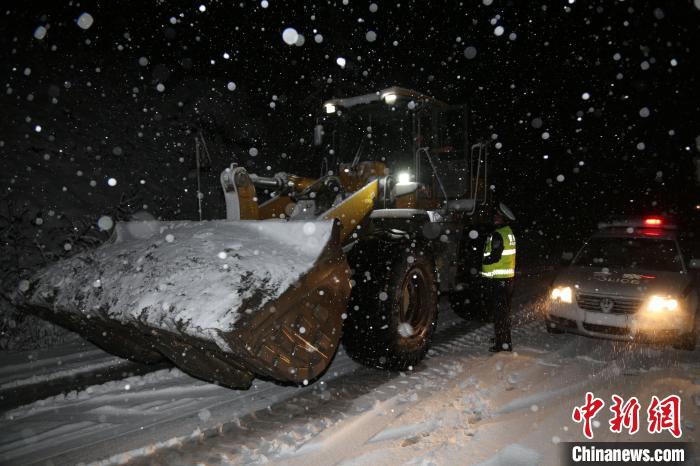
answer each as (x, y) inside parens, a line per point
(592, 108)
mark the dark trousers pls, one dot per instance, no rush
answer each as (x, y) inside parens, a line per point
(498, 293)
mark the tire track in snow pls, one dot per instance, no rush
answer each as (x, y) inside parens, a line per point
(170, 387)
(354, 393)
(29, 376)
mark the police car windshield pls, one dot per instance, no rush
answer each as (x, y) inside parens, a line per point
(630, 254)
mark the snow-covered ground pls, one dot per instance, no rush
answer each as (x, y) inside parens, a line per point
(462, 405)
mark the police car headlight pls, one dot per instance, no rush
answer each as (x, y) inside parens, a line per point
(656, 304)
(561, 293)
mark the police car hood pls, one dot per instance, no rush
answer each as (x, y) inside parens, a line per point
(623, 283)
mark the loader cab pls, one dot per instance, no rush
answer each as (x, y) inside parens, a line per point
(411, 136)
(373, 127)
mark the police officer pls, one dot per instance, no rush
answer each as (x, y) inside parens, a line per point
(498, 273)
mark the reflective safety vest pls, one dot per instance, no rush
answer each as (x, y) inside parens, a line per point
(504, 268)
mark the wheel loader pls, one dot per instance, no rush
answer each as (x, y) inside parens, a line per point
(358, 256)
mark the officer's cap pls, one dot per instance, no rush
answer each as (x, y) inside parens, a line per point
(506, 212)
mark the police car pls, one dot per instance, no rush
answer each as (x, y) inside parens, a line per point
(629, 281)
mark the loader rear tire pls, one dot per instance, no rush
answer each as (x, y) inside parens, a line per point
(393, 311)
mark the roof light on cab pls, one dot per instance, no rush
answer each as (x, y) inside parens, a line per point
(653, 222)
(404, 178)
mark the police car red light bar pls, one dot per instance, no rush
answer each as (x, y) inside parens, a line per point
(652, 221)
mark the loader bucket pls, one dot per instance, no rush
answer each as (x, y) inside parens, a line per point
(225, 301)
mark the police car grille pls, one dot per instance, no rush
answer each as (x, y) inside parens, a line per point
(621, 305)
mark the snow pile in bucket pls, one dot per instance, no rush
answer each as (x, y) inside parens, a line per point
(195, 278)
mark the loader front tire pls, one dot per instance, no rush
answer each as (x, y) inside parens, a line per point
(393, 310)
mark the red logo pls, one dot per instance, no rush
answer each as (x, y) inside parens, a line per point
(661, 415)
(587, 412)
(665, 415)
(624, 415)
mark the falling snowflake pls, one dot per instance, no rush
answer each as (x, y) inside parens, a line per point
(405, 329)
(204, 415)
(105, 223)
(85, 21)
(290, 36)
(309, 228)
(40, 32)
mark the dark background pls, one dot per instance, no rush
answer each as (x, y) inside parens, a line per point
(102, 115)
